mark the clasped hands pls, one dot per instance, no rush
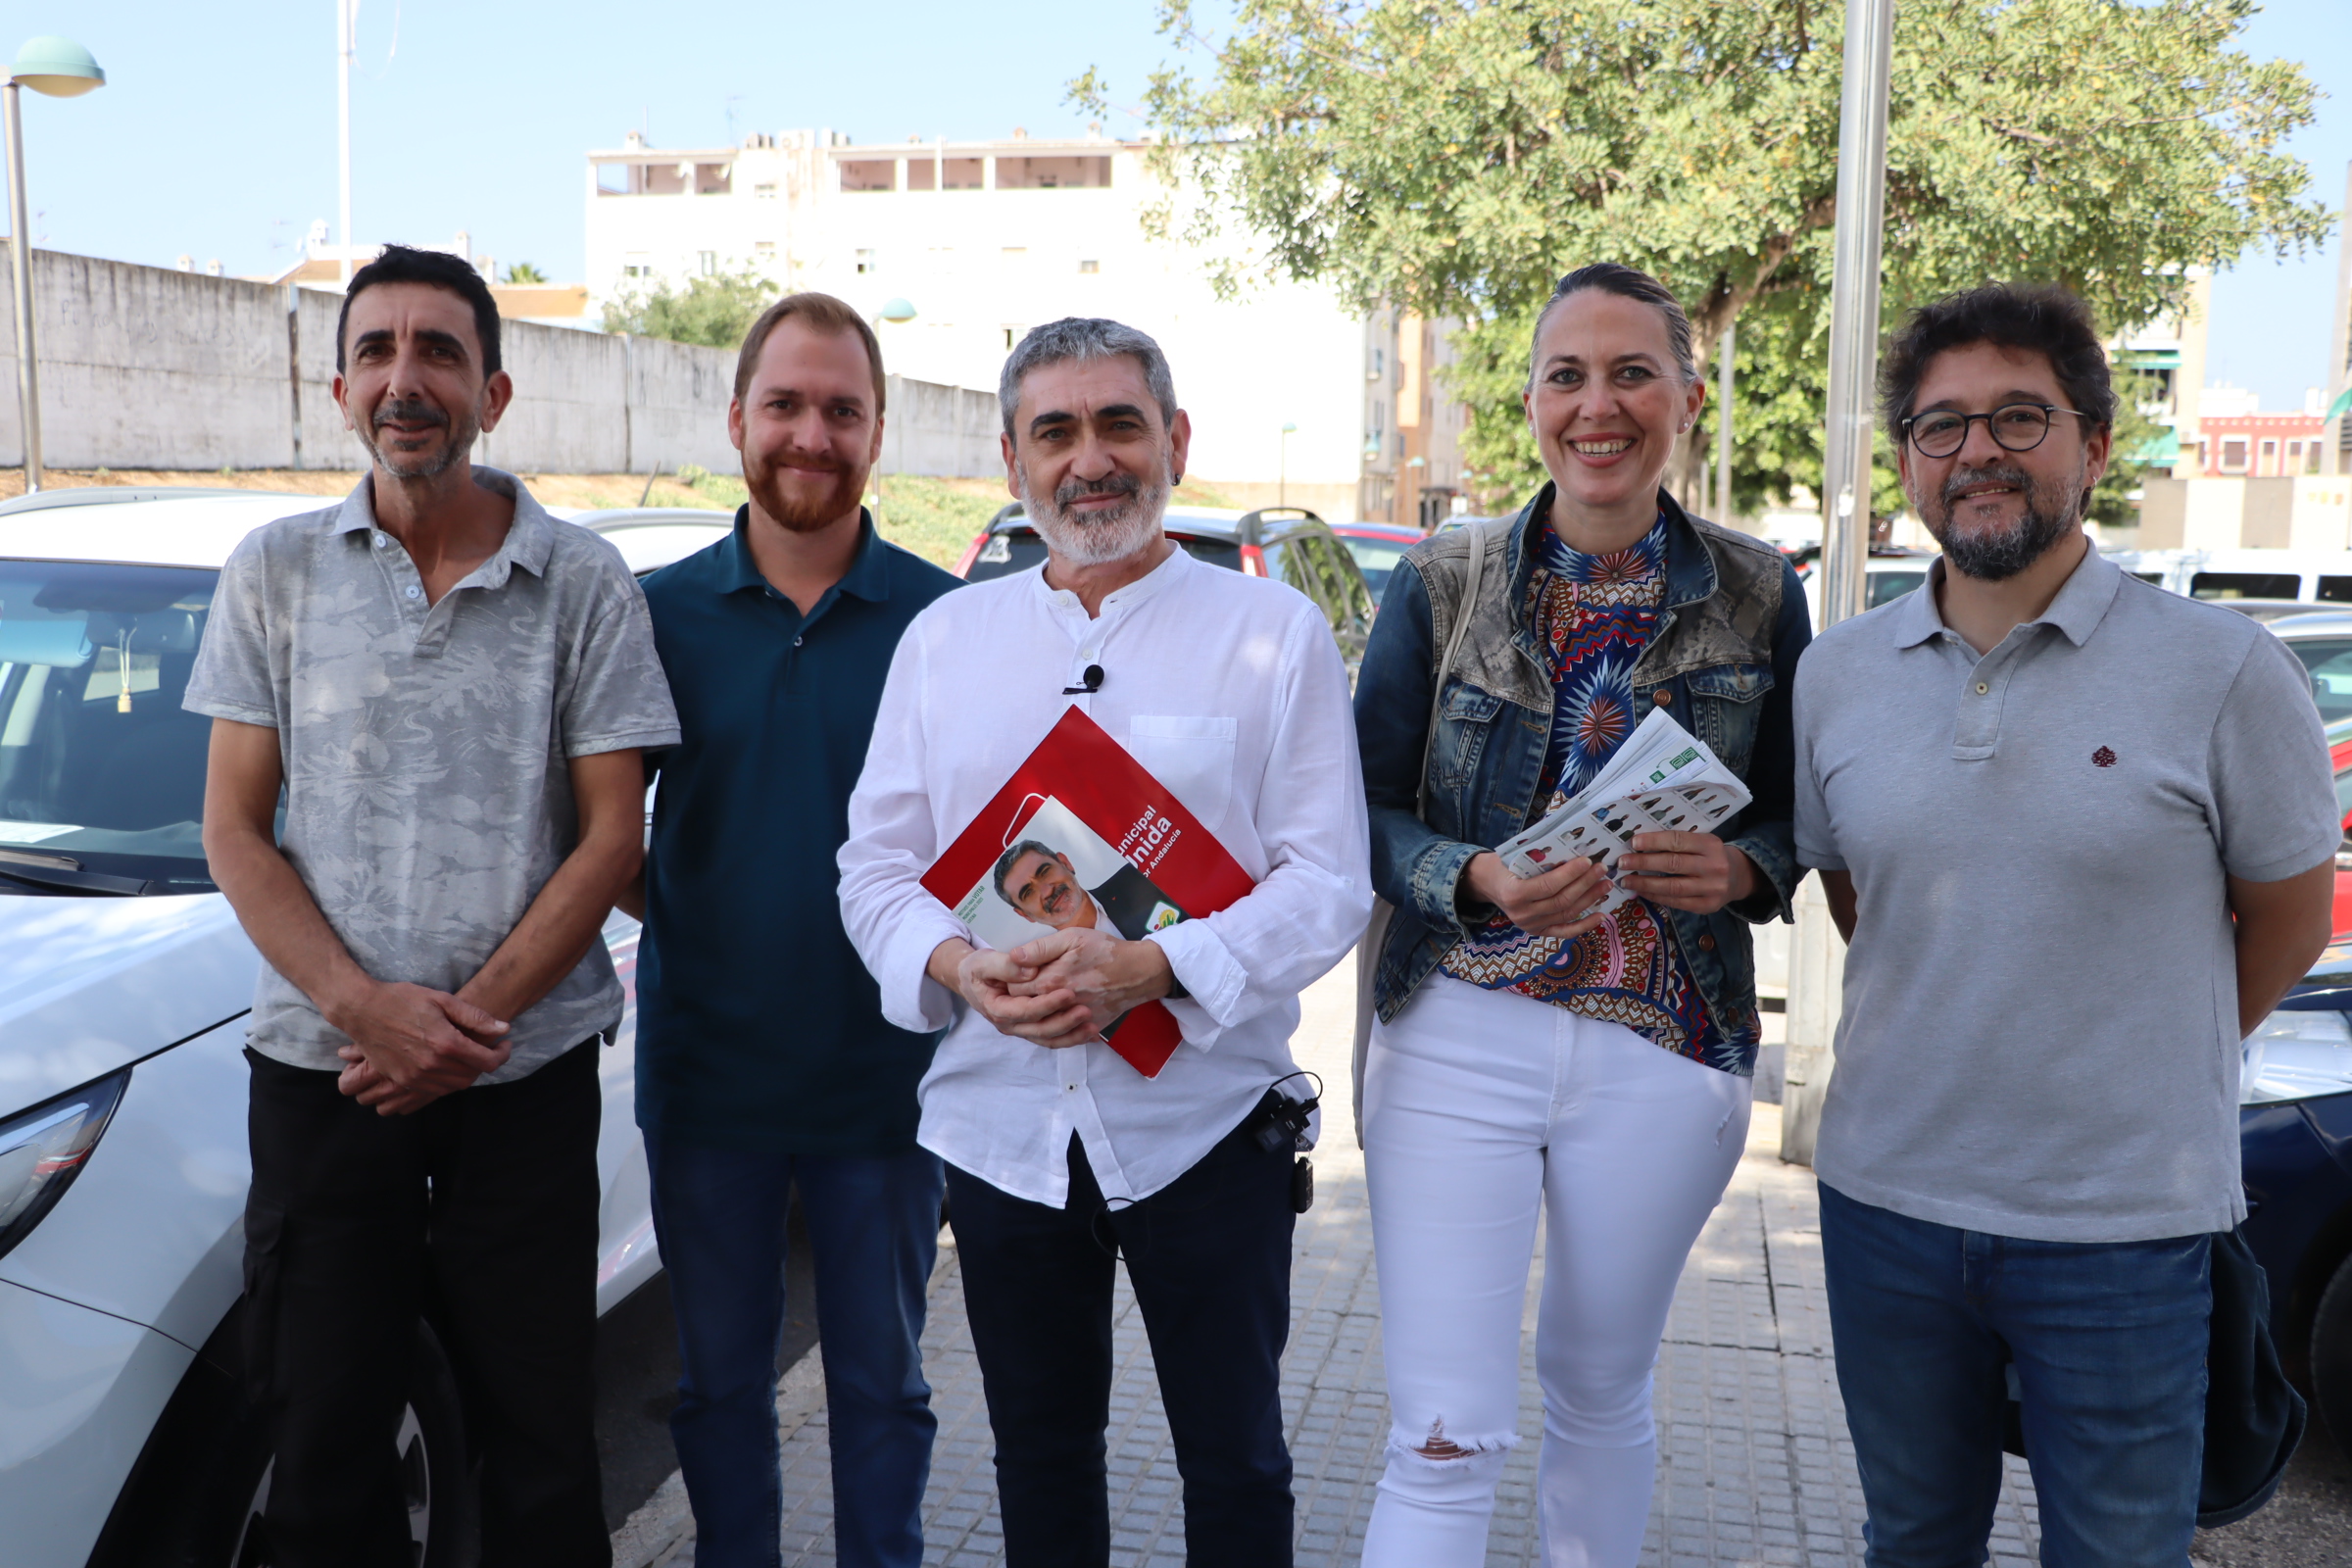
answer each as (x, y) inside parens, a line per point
(1059, 991)
(410, 1045)
(1697, 872)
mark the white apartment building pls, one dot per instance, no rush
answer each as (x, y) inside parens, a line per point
(985, 240)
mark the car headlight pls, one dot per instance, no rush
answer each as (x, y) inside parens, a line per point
(43, 1150)
(2295, 1056)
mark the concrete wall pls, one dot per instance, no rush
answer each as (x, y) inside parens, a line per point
(2163, 514)
(2308, 511)
(2269, 519)
(948, 432)
(142, 368)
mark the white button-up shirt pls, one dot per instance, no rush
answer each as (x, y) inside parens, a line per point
(1230, 691)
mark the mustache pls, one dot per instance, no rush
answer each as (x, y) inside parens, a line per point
(2003, 473)
(793, 457)
(410, 410)
(1116, 484)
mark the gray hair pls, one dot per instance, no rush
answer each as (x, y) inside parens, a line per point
(1086, 337)
(1013, 858)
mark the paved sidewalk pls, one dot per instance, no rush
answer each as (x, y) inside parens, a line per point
(1755, 1463)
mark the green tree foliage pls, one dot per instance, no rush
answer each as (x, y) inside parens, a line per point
(715, 311)
(524, 272)
(1457, 155)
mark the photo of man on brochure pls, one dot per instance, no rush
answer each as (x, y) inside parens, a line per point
(1057, 874)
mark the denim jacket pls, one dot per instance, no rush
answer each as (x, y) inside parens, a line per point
(1723, 664)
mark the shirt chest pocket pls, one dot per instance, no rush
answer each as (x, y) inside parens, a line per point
(1191, 755)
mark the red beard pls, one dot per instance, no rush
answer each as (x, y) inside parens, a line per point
(797, 510)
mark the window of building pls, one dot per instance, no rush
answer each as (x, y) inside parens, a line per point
(765, 249)
(1053, 174)
(923, 174)
(1380, 362)
(1012, 336)
(865, 262)
(714, 180)
(766, 190)
(962, 174)
(707, 263)
(1090, 267)
(2233, 454)
(869, 173)
(2311, 458)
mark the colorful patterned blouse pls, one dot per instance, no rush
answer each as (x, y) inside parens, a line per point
(1596, 614)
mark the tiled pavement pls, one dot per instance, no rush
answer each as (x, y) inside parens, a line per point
(1755, 1463)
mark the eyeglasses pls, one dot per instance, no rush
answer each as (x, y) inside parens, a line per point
(2014, 426)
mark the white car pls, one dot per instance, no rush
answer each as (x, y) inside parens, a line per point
(124, 983)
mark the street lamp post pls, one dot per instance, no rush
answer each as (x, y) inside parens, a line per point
(347, 27)
(1817, 956)
(900, 312)
(1282, 482)
(58, 69)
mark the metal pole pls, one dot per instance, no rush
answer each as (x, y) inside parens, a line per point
(1854, 308)
(1817, 954)
(2338, 434)
(20, 255)
(346, 24)
(1723, 425)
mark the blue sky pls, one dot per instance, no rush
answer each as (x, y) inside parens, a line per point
(216, 138)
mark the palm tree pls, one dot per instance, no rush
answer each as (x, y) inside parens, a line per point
(524, 272)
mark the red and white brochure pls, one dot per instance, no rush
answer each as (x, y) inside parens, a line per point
(1082, 835)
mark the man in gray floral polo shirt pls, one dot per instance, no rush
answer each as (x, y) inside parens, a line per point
(453, 689)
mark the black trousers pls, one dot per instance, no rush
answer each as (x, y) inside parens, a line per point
(483, 1204)
(1209, 1258)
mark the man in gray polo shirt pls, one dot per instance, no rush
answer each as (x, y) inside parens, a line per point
(2080, 833)
(453, 689)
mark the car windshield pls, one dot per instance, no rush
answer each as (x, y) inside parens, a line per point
(1884, 587)
(1376, 558)
(101, 769)
(2329, 660)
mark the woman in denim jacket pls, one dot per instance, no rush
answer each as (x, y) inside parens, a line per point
(1526, 1057)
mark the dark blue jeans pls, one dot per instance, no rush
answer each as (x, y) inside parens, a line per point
(2109, 1343)
(873, 1228)
(1209, 1258)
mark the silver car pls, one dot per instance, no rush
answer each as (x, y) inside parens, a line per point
(123, 981)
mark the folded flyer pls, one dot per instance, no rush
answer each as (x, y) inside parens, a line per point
(1662, 779)
(1083, 835)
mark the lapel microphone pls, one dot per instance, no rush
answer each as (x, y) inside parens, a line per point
(1090, 681)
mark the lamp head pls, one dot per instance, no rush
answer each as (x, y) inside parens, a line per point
(898, 311)
(57, 67)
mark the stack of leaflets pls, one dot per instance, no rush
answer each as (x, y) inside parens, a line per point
(1663, 779)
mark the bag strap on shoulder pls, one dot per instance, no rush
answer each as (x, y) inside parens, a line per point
(1468, 607)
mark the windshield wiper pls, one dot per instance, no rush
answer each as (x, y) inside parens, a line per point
(65, 871)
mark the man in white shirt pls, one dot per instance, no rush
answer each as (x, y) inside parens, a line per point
(1229, 689)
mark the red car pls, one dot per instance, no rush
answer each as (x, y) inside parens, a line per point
(2339, 757)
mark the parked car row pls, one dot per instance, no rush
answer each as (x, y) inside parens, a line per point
(1289, 543)
(124, 1438)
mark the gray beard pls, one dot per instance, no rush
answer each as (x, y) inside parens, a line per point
(1995, 556)
(1107, 536)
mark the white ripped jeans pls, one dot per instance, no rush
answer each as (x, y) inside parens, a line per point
(1479, 1107)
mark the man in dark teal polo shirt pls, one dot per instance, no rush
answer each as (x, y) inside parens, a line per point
(762, 1056)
